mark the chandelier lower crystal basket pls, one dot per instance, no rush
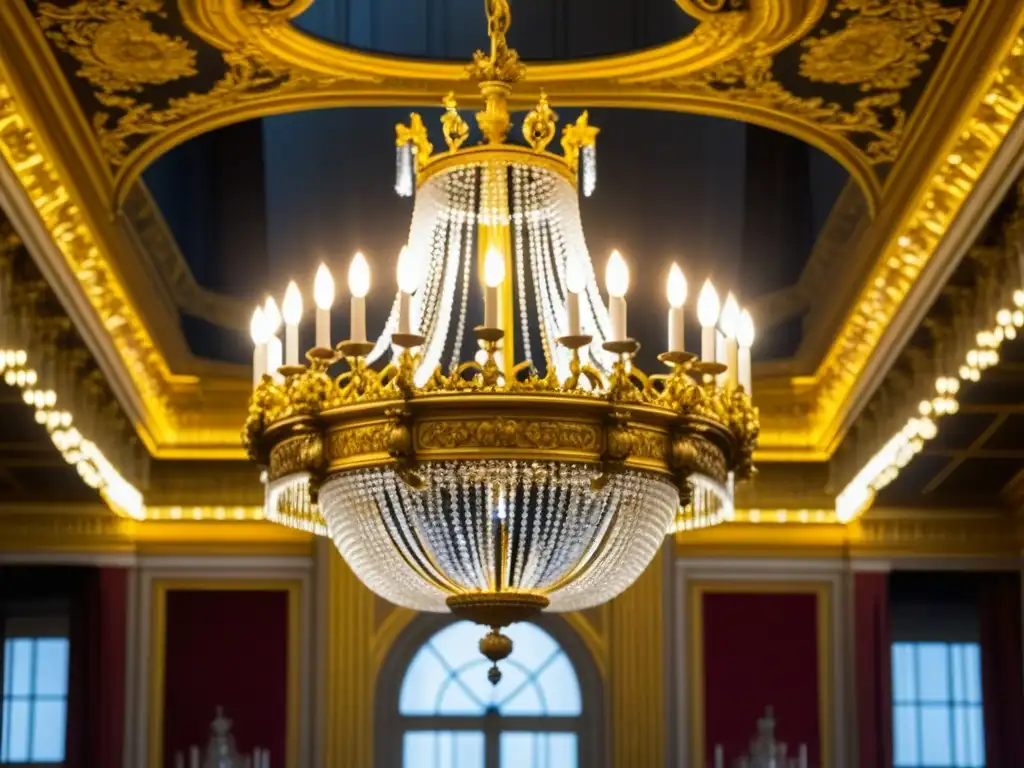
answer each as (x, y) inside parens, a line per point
(471, 486)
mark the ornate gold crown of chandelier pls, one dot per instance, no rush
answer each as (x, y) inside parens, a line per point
(489, 487)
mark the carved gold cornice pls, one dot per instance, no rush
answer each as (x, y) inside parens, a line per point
(802, 416)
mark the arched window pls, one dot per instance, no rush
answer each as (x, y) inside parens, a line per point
(448, 715)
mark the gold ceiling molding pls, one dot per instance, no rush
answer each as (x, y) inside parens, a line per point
(728, 67)
(914, 242)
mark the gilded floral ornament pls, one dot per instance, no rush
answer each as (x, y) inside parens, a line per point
(539, 125)
(882, 47)
(116, 45)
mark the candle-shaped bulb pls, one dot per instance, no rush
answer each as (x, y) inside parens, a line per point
(616, 275)
(323, 288)
(745, 330)
(676, 288)
(408, 271)
(291, 307)
(258, 327)
(271, 316)
(359, 276)
(707, 305)
(494, 268)
(574, 279)
(730, 317)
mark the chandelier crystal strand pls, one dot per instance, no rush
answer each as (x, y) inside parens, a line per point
(494, 489)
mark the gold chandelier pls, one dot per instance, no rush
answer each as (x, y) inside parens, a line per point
(489, 487)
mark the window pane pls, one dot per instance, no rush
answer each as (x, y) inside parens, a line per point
(961, 737)
(526, 702)
(455, 700)
(422, 684)
(519, 750)
(933, 673)
(539, 750)
(532, 642)
(936, 744)
(51, 667)
(904, 677)
(972, 664)
(48, 731)
(561, 688)
(958, 671)
(20, 652)
(976, 732)
(905, 735)
(443, 749)
(16, 746)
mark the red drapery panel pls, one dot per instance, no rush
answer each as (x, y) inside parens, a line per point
(1001, 670)
(226, 648)
(98, 616)
(874, 669)
(760, 649)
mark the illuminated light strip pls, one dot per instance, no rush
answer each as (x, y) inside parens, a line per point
(885, 465)
(192, 513)
(788, 516)
(93, 467)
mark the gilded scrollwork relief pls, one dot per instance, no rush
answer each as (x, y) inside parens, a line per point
(884, 46)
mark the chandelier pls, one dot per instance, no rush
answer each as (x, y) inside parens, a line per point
(481, 483)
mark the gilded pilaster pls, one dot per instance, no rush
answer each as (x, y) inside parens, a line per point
(637, 680)
(350, 672)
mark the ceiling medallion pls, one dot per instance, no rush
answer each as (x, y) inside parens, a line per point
(487, 487)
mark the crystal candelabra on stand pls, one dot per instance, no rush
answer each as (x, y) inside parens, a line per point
(765, 751)
(493, 487)
(221, 751)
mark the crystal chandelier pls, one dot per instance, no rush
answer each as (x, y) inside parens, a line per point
(488, 487)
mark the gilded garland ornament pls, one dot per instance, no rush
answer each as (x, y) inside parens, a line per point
(497, 487)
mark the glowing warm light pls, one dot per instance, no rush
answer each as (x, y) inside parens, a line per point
(676, 288)
(574, 279)
(359, 276)
(271, 316)
(291, 307)
(730, 317)
(323, 288)
(408, 271)
(708, 305)
(494, 267)
(258, 327)
(745, 330)
(616, 275)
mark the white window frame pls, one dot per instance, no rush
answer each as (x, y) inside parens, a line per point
(950, 704)
(35, 628)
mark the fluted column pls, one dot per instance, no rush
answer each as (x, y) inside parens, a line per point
(349, 691)
(636, 694)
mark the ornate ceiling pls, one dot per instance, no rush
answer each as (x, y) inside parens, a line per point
(913, 97)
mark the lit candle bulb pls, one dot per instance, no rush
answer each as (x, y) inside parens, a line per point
(408, 283)
(728, 322)
(676, 298)
(574, 283)
(494, 276)
(616, 279)
(272, 319)
(291, 310)
(707, 314)
(358, 286)
(323, 295)
(745, 337)
(258, 331)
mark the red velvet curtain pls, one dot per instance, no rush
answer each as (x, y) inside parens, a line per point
(96, 686)
(760, 649)
(873, 656)
(229, 649)
(1001, 669)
